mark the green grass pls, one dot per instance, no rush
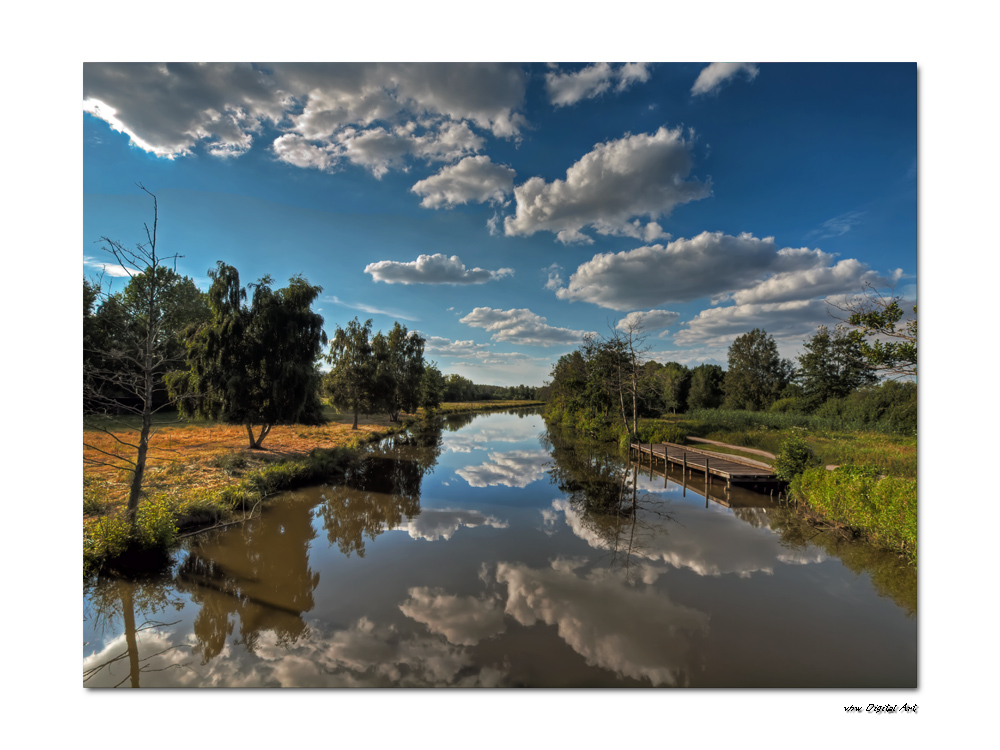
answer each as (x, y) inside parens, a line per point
(881, 508)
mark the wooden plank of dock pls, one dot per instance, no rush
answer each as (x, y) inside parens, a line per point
(730, 468)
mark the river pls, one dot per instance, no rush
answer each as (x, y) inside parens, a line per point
(489, 552)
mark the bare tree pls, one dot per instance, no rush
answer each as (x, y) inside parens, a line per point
(124, 366)
(629, 338)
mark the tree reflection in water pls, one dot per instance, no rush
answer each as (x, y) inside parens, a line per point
(115, 598)
(604, 491)
(229, 575)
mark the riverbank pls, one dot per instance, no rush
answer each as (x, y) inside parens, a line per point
(872, 494)
(202, 473)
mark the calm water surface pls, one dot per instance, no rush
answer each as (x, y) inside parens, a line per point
(492, 553)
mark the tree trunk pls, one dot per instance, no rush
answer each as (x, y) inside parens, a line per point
(355, 425)
(256, 443)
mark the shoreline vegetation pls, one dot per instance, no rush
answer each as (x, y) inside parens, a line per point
(201, 475)
(859, 483)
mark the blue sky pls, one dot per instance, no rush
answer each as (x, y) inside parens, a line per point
(506, 210)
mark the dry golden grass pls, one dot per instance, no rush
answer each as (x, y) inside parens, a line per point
(191, 459)
(184, 457)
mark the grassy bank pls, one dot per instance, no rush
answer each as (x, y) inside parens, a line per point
(201, 473)
(872, 494)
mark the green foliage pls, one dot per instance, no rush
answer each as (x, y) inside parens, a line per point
(756, 374)
(794, 457)
(882, 508)
(399, 370)
(432, 387)
(792, 404)
(886, 342)
(113, 537)
(832, 366)
(254, 364)
(706, 387)
(350, 384)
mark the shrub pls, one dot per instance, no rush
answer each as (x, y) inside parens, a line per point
(794, 457)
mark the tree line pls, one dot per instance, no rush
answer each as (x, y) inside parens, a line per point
(608, 383)
(246, 355)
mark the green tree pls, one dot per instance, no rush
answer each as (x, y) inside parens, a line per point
(458, 388)
(706, 387)
(399, 368)
(350, 384)
(756, 374)
(885, 341)
(432, 387)
(832, 366)
(675, 383)
(254, 364)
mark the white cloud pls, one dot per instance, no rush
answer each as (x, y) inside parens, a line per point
(374, 115)
(555, 279)
(370, 309)
(475, 178)
(652, 320)
(838, 225)
(714, 75)
(463, 620)
(520, 326)
(718, 326)
(711, 264)
(441, 346)
(110, 269)
(592, 81)
(432, 269)
(847, 275)
(645, 174)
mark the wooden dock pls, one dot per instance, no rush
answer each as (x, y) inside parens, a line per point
(711, 465)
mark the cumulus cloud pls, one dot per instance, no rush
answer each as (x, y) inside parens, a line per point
(375, 115)
(651, 320)
(520, 326)
(475, 178)
(844, 276)
(440, 346)
(432, 269)
(716, 74)
(711, 264)
(638, 175)
(717, 326)
(433, 524)
(592, 81)
(463, 620)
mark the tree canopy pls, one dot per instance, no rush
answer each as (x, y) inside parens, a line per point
(885, 341)
(350, 383)
(255, 364)
(756, 374)
(831, 366)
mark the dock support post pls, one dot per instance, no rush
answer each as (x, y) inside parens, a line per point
(708, 477)
(684, 468)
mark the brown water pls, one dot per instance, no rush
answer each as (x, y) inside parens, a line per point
(491, 553)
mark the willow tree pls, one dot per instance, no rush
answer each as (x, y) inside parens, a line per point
(255, 364)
